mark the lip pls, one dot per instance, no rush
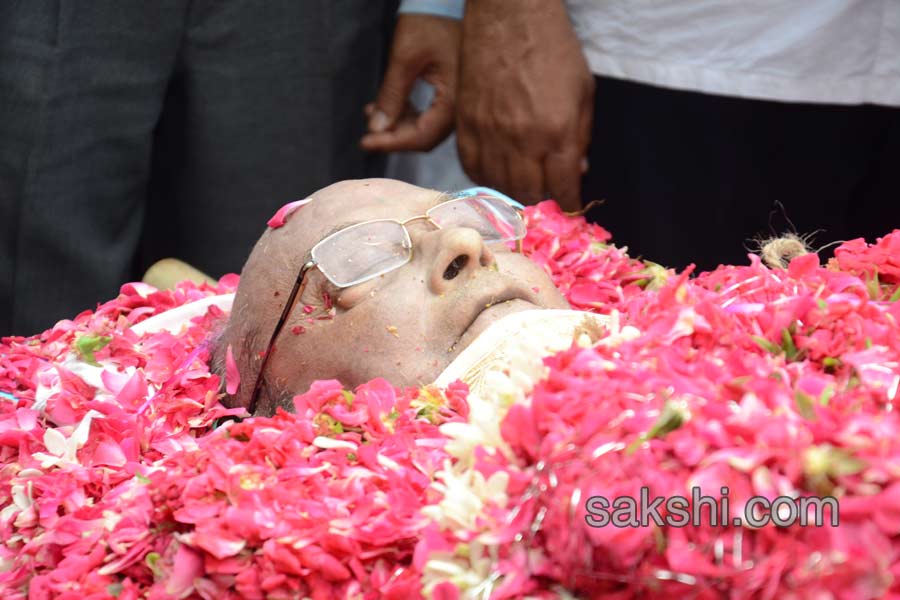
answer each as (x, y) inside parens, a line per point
(490, 308)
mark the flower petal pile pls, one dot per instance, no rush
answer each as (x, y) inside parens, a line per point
(115, 480)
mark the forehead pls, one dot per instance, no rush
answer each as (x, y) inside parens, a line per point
(348, 203)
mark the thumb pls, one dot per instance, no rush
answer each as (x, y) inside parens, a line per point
(392, 95)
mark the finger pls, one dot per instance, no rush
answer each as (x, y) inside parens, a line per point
(386, 141)
(436, 122)
(394, 140)
(407, 135)
(421, 132)
(585, 126)
(562, 173)
(392, 95)
(586, 115)
(526, 179)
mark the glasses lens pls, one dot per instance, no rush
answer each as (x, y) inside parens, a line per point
(361, 252)
(490, 216)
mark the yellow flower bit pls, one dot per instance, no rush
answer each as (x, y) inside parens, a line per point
(250, 481)
(392, 330)
(429, 403)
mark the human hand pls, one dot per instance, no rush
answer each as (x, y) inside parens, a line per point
(525, 100)
(425, 47)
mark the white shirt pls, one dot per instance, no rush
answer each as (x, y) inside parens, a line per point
(823, 51)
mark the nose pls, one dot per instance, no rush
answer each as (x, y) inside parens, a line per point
(461, 252)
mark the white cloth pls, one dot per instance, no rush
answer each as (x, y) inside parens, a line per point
(823, 51)
(528, 336)
(176, 319)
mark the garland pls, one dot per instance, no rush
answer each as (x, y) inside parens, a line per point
(767, 382)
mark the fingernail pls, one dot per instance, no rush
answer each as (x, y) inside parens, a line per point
(378, 122)
(584, 165)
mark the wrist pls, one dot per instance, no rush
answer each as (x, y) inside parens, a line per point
(450, 9)
(513, 8)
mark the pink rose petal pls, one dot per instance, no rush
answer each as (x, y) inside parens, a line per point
(280, 217)
(232, 375)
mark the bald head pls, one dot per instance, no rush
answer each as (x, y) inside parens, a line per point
(405, 325)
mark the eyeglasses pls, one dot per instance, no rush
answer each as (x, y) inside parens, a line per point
(364, 251)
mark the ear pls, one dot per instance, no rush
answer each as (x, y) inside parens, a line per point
(229, 362)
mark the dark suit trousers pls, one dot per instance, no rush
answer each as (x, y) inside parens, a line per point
(131, 130)
(698, 178)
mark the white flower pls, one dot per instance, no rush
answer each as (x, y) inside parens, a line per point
(62, 450)
(470, 569)
(465, 493)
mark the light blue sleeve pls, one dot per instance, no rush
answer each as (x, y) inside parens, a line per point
(452, 9)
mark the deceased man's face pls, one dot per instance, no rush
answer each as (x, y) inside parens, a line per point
(406, 325)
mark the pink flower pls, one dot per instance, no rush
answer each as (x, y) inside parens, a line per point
(281, 216)
(232, 376)
(113, 480)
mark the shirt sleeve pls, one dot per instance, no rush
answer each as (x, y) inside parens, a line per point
(452, 9)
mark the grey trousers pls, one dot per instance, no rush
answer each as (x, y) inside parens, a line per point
(131, 130)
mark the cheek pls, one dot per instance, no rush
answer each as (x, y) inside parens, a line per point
(348, 298)
(532, 275)
(388, 317)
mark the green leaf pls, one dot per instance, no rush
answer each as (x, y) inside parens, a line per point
(826, 395)
(87, 345)
(659, 539)
(874, 287)
(152, 559)
(741, 381)
(656, 276)
(804, 405)
(831, 364)
(348, 397)
(427, 412)
(114, 589)
(669, 420)
(766, 344)
(821, 304)
(787, 343)
(142, 479)
(896, 295)
(825, 459)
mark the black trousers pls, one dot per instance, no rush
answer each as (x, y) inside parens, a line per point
(131, 130)
(689, 177)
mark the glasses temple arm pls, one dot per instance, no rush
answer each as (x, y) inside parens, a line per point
(299, 285)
